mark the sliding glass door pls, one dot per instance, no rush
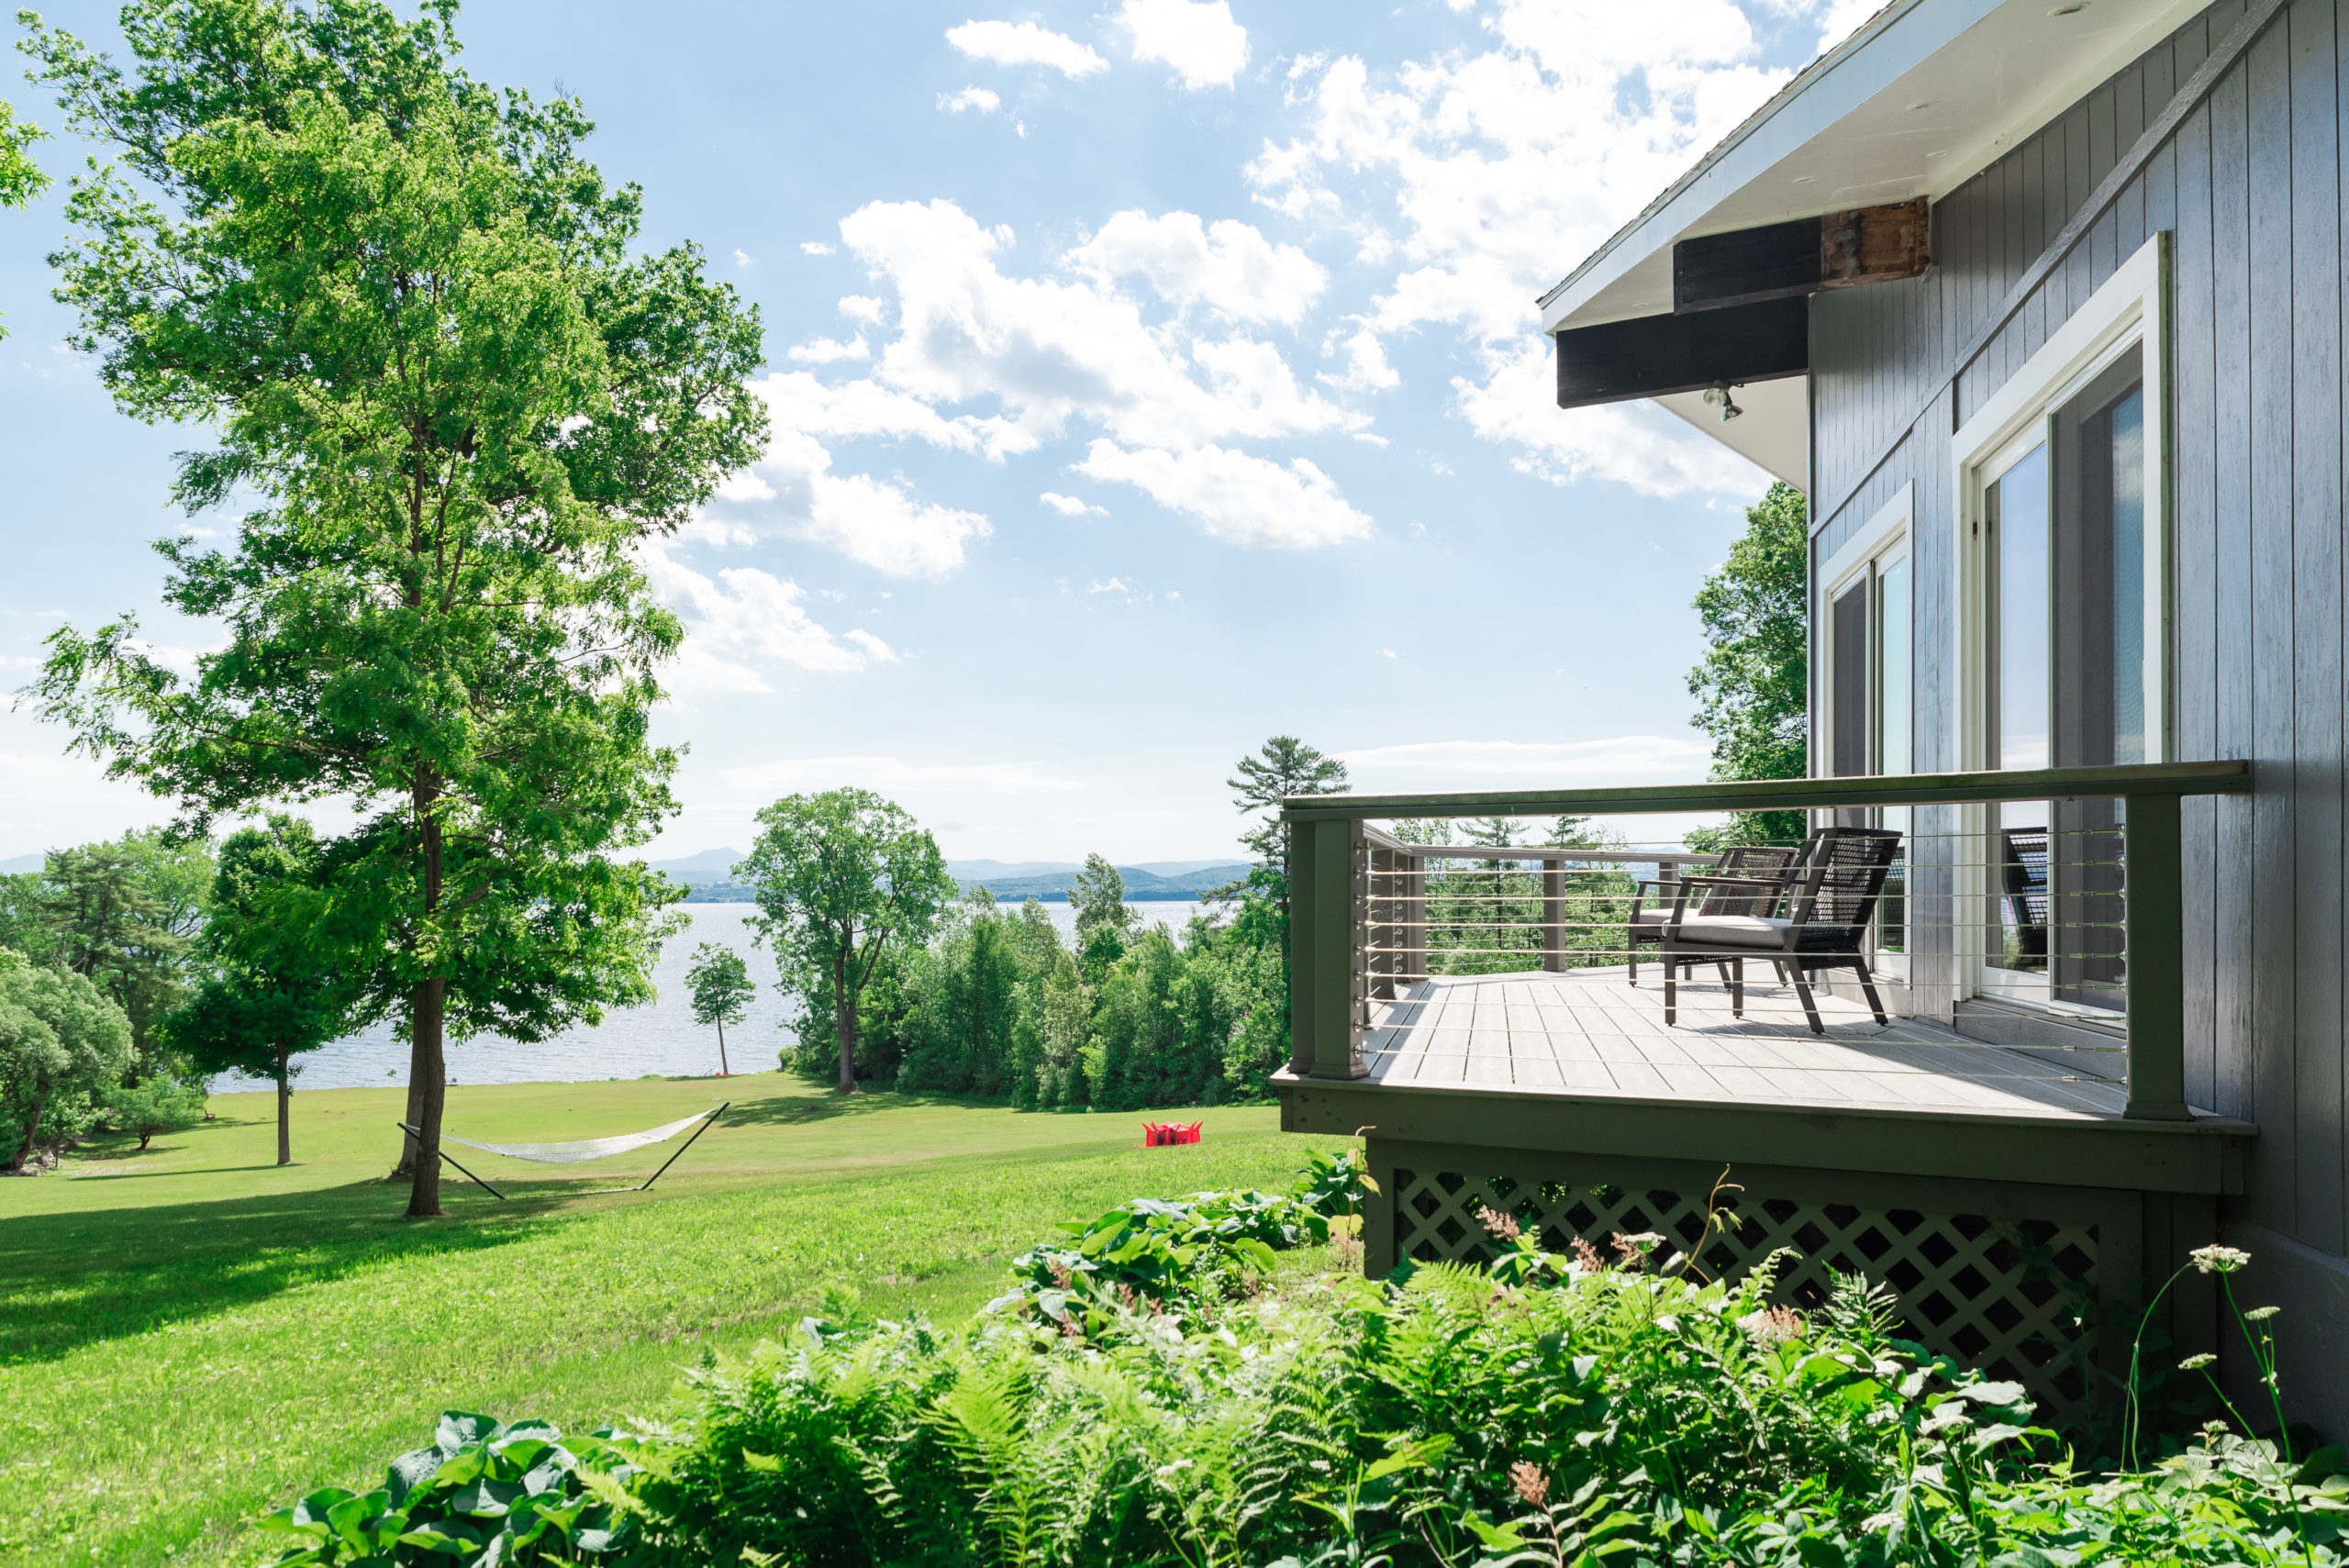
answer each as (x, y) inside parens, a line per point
(2063, 557)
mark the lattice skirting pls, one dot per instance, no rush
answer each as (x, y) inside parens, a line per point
(2012, 1292)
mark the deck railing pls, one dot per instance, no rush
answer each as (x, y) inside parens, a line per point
(2087, 907)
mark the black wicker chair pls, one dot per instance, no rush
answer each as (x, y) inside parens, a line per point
(1748, 879)
(1831, 897)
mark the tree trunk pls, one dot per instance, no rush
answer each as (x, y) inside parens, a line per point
(32, 1131)
(285, 1110)
(426, 1014)
(844, 1017)
(407, 1167)
(723, 1071)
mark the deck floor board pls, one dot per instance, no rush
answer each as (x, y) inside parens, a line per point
(1596, 1034)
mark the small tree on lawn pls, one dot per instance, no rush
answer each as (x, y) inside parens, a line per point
(841, 877)
(283, 982)
(154, 1105)
(722, 992)
(453, 407)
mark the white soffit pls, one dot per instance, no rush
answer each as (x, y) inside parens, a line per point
(1773, 431)
(1918, 102)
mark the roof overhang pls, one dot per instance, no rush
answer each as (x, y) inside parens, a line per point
(1916, 103)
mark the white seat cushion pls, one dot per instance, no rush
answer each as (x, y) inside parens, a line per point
(1732, 931)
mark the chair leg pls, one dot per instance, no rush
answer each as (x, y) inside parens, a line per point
(1875, 1003)
(1633, 944)
(1778, 968)
(1671, 991)
(1809, 1007)
(1734, 973)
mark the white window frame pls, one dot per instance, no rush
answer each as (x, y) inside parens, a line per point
(2132, 309)
(1890, 534)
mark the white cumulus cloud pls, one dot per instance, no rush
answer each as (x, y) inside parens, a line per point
(979, 98)
(744, 618)
(826, 351)
(1069, 506)
(1200, 41)
(1025, 43)
(1241, 498)
(893, 774)
(1228, 266)
(1048, 350)
(1481, 177)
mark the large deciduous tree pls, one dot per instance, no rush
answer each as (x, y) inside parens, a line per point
(840, 878)
(20, 179)
(283, 977)
(125, 914)
(64, 1046)
(1752, 688)
(453, 406)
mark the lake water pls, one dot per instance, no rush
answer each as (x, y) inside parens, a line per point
(658, 1038)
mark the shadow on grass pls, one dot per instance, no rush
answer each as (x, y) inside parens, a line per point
(799, 1110)
(70, 1280)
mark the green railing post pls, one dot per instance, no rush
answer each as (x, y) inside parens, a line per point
(1325, 1039)
(2156, 958)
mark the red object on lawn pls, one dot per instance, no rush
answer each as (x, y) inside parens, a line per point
(1161, 1135)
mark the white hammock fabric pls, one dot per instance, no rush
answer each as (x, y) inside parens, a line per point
(585, 1148)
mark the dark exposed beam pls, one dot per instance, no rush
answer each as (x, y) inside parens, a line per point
(1654, 355)
(1782, 260)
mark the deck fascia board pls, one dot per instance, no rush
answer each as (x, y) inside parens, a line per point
(2203, 1156)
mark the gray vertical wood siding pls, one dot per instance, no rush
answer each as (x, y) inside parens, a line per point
(2254, 188)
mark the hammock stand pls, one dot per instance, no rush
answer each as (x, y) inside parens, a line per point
(586, 1149)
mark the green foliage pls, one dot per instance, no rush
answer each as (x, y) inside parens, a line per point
(1484, 917)
(1753, 686)
(64, 1046)
(844, 879)
(1284, 766)
(151, 1106)
(1104, 922)
(451, 404)
(720, 983)
(125, 914)
(484, 1491)
(1157, 1392)
(20, 179)
(1186, 1258)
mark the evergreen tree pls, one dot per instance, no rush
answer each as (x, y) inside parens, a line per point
(452, 405)
(1284, 766)
(1104, 922)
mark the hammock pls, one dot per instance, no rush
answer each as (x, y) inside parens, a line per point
(584, 1148)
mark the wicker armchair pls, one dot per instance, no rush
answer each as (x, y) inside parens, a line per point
(1829, 903)
(1748, 879)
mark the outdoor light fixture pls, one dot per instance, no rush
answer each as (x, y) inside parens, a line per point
(1718, 392)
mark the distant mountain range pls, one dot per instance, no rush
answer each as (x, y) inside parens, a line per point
(1011, 881)
(22, 863)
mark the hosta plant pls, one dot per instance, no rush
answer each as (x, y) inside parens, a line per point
(482, 1495)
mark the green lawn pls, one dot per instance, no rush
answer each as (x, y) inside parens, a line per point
(192, 1336)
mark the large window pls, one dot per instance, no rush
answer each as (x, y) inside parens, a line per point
(1869, 659)
(2064, 659)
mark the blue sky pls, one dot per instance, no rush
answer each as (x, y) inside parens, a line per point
(1147, 380)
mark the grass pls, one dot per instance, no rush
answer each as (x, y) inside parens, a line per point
(193, 1336)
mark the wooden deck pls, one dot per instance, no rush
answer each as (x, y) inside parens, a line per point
(1591, 1035)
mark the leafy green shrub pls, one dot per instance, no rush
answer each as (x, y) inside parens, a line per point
(1177, 1405)
(483, 1494)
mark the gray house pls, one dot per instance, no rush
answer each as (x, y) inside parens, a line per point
(2042, 305)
